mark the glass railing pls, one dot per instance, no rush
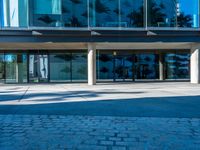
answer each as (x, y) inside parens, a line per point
(100, 14)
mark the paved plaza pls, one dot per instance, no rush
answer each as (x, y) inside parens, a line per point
(110, 116)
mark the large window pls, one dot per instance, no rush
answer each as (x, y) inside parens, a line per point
(104, 13)
(188, 13)
(68, 66)
(16, 67)
(161, 13)
(100, 13)
(105, 65)
(60, 13)
(132, 13)
(147, 66)
(177, 66)
(79, 67)
(14, 13)
(60, 67)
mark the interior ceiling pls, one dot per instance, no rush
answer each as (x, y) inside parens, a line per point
(114, 46)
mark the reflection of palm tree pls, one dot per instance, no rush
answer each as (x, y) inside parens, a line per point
(100, 7)
(46, 19)
(74, 19)
(157, 15)
(184, 20)
(136, 18)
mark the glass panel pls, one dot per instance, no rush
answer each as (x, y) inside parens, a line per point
(161, 13)
(38, 68)
(124, 67)
(188, 13)
(79, 67)
(2, 73)
(75, 13)
(132, 12)
(47, 13)
(16, 68)
(60, 13)
(147, 66)
(14, 13)
(60, 67)
(177, 66)
(119, 67)
(183, 66)
(104, 13)
(170, 66)
(104, 65)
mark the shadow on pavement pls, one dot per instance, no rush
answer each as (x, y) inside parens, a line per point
(176, 107)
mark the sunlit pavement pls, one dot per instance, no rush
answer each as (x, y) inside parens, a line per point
(108, 116)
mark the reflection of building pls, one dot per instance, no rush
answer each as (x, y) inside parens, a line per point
(85, 40)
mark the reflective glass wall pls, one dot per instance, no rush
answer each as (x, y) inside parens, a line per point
(15, 67)
(177, 65)
(59, 13)
(68, 66)
(100, 13)
(127, 65)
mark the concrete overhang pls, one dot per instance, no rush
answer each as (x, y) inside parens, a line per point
(101, 45)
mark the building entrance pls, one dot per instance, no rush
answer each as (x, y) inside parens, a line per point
(124, 68)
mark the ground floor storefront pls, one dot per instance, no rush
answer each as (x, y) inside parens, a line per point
(64, 66)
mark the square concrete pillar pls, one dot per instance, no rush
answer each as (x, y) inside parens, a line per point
(161, 67)
(195, 66)
(91, 64)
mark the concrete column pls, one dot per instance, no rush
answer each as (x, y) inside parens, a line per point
(91, 64)
(195, 66)
(161, 67)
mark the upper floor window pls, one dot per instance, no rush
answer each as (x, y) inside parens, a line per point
(173, 13)
(59, 13)
(14, 13)
(100, 13)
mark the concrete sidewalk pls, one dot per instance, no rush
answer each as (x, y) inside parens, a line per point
(153, 99)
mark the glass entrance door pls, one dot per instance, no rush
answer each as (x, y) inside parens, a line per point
(124, 68)
(38, 68)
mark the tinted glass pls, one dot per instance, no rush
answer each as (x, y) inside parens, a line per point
(16, 68)
(123, 67)
(188, 13)
(60, 13)
(74, 13)
(146, 66)
(60, 67)
(132, 13)
(105, 65)
(177, 66)
(161, 13)
(104, 13)
(79, 67)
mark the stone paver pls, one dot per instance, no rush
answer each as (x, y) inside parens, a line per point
(50, 132)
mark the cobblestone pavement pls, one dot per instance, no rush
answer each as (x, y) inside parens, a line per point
(55, 132)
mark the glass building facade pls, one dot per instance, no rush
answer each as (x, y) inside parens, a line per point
(71, 66)
(99, 13)
(135, 65)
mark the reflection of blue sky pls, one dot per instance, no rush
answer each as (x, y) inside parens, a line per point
(189, 6)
